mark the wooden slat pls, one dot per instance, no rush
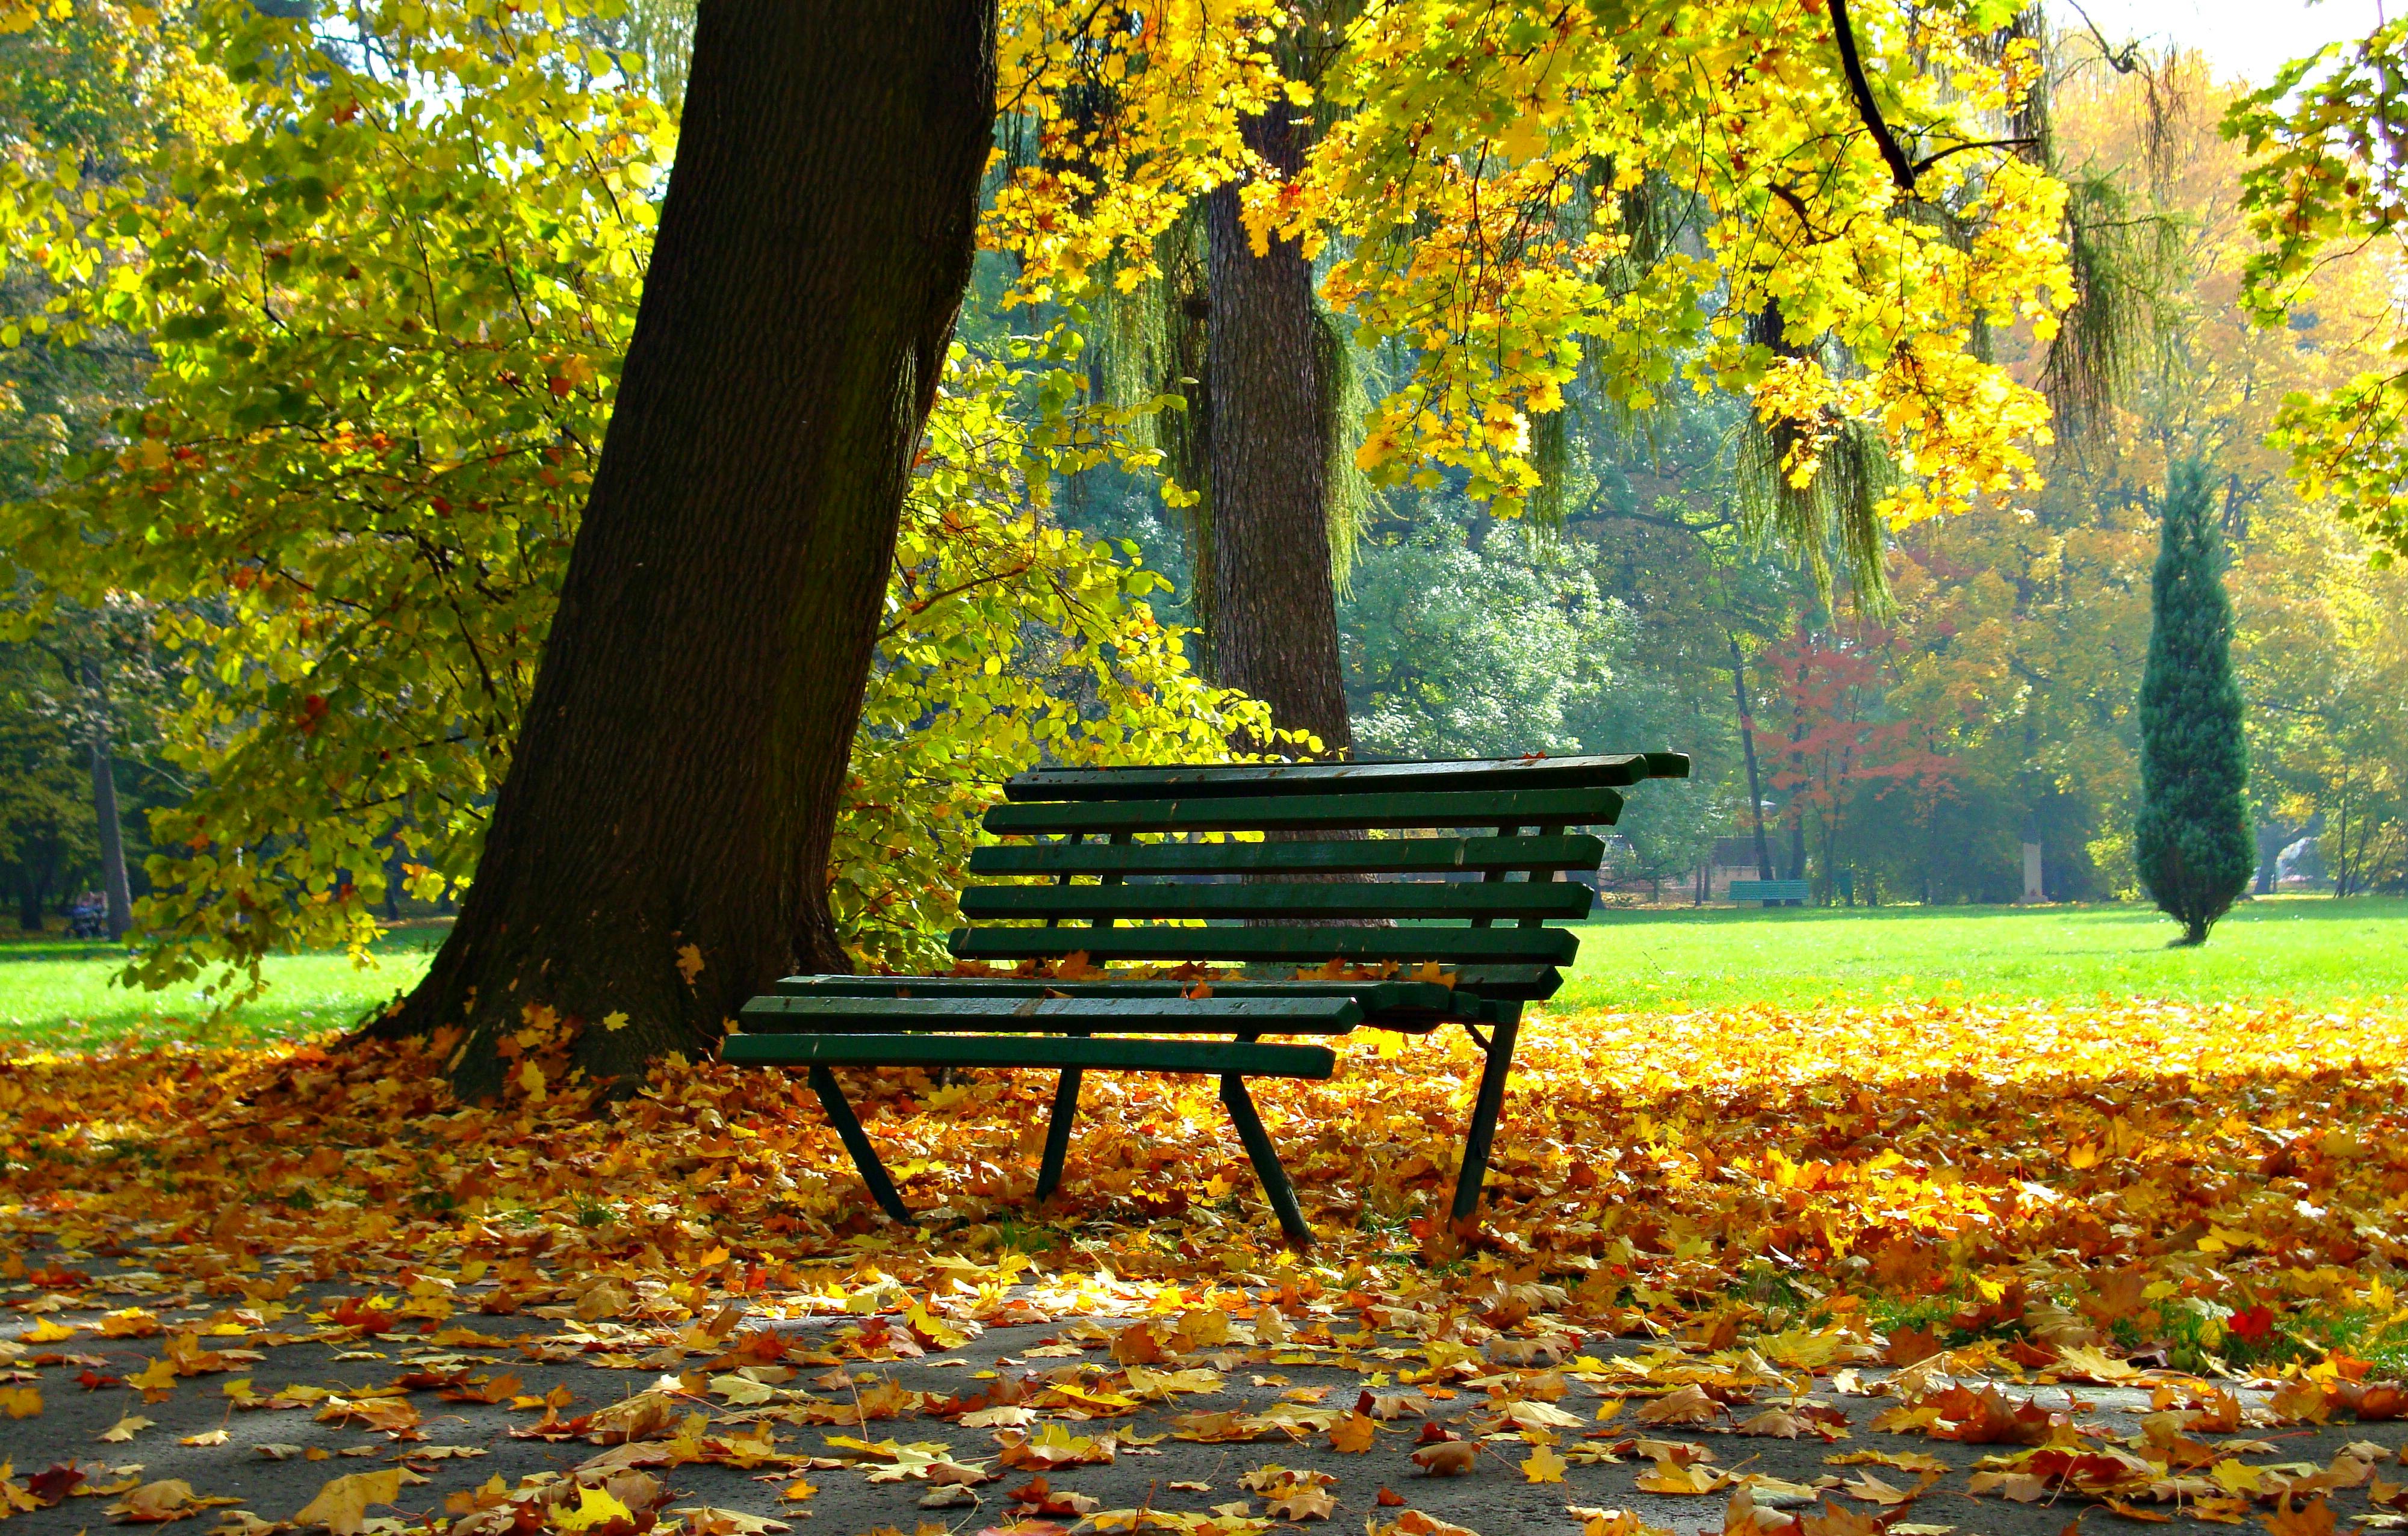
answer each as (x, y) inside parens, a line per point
(1372, 997)
(1523, 983)
(1337, 856)
(1151, 1055)
(1297, 1015)
(1393, 899)
(1303, 946)
(1311, 812)
(1191, 780)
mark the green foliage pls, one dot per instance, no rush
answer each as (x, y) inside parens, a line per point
(386, 312)
(387, 307)
(1457, 650)
(1009, 641)
(45, 818)
(2192, 841)
(2325, 177)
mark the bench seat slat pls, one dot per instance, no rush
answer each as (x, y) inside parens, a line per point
(1391, 899)
(1309, 1015)
(1304, 946)
(1338, 857)
(1613, 771)
(1058, 1051)
(1519, 982)
(1311, 812)
(1371, 997)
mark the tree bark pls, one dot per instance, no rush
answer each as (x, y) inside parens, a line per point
(1274, 625)
(660, 847)
(116, 889)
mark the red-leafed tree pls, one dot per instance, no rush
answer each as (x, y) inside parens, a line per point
(1830, 685)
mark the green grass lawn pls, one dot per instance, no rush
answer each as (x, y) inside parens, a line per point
(59, 992)
(2307, 949)
(2310, 950)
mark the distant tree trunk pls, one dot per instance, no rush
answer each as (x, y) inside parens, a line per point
(115, 887)
(1747, 749)
(31, 888)
(1274, 626)
(660, 847)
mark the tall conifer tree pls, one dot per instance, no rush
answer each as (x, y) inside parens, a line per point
(2192, 841)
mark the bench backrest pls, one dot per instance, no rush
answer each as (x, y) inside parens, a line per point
(1769, 890)
(1113, 869)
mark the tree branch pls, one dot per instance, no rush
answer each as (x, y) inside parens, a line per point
(1902, 169)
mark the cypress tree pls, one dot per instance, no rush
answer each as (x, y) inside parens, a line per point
(2192, 841)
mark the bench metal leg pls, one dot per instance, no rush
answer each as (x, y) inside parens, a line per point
(865, 1156)
(1266, 1159)
(1057, 1133)
(1485, 1106)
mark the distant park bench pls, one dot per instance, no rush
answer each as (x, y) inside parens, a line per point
(1772, 893)
(1407, 947)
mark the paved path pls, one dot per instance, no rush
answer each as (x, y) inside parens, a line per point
(359, 1402)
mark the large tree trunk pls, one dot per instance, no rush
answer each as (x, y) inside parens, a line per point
(1274, 613)
(660, 848)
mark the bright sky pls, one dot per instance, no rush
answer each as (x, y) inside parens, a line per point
(2245, 37)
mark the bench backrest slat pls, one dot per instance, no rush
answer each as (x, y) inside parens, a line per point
(1224, 778)
(1367, 812)
(1338, 857)
(1303, 946)
(1394, 900)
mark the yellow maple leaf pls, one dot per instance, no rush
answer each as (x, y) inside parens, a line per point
(159, 1377)
(1544, 1466)
(342, 1504)
(1354, 1434)
(689, 962)
(595, 1507)
(20, 1401)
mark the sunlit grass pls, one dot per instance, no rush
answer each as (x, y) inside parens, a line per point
(2305, 949)
(60, 993)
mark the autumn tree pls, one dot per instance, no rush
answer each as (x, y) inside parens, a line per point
(2192, 840)
(1504, 199)
(2325, 175)
(660, 846)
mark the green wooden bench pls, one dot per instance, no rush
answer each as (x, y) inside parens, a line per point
(1112, 869)
(1772, 893)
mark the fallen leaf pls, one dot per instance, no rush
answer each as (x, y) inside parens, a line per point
(342, 1503)
(1447, 1458)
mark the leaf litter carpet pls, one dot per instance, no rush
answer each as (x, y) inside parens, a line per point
(1770, 1273)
